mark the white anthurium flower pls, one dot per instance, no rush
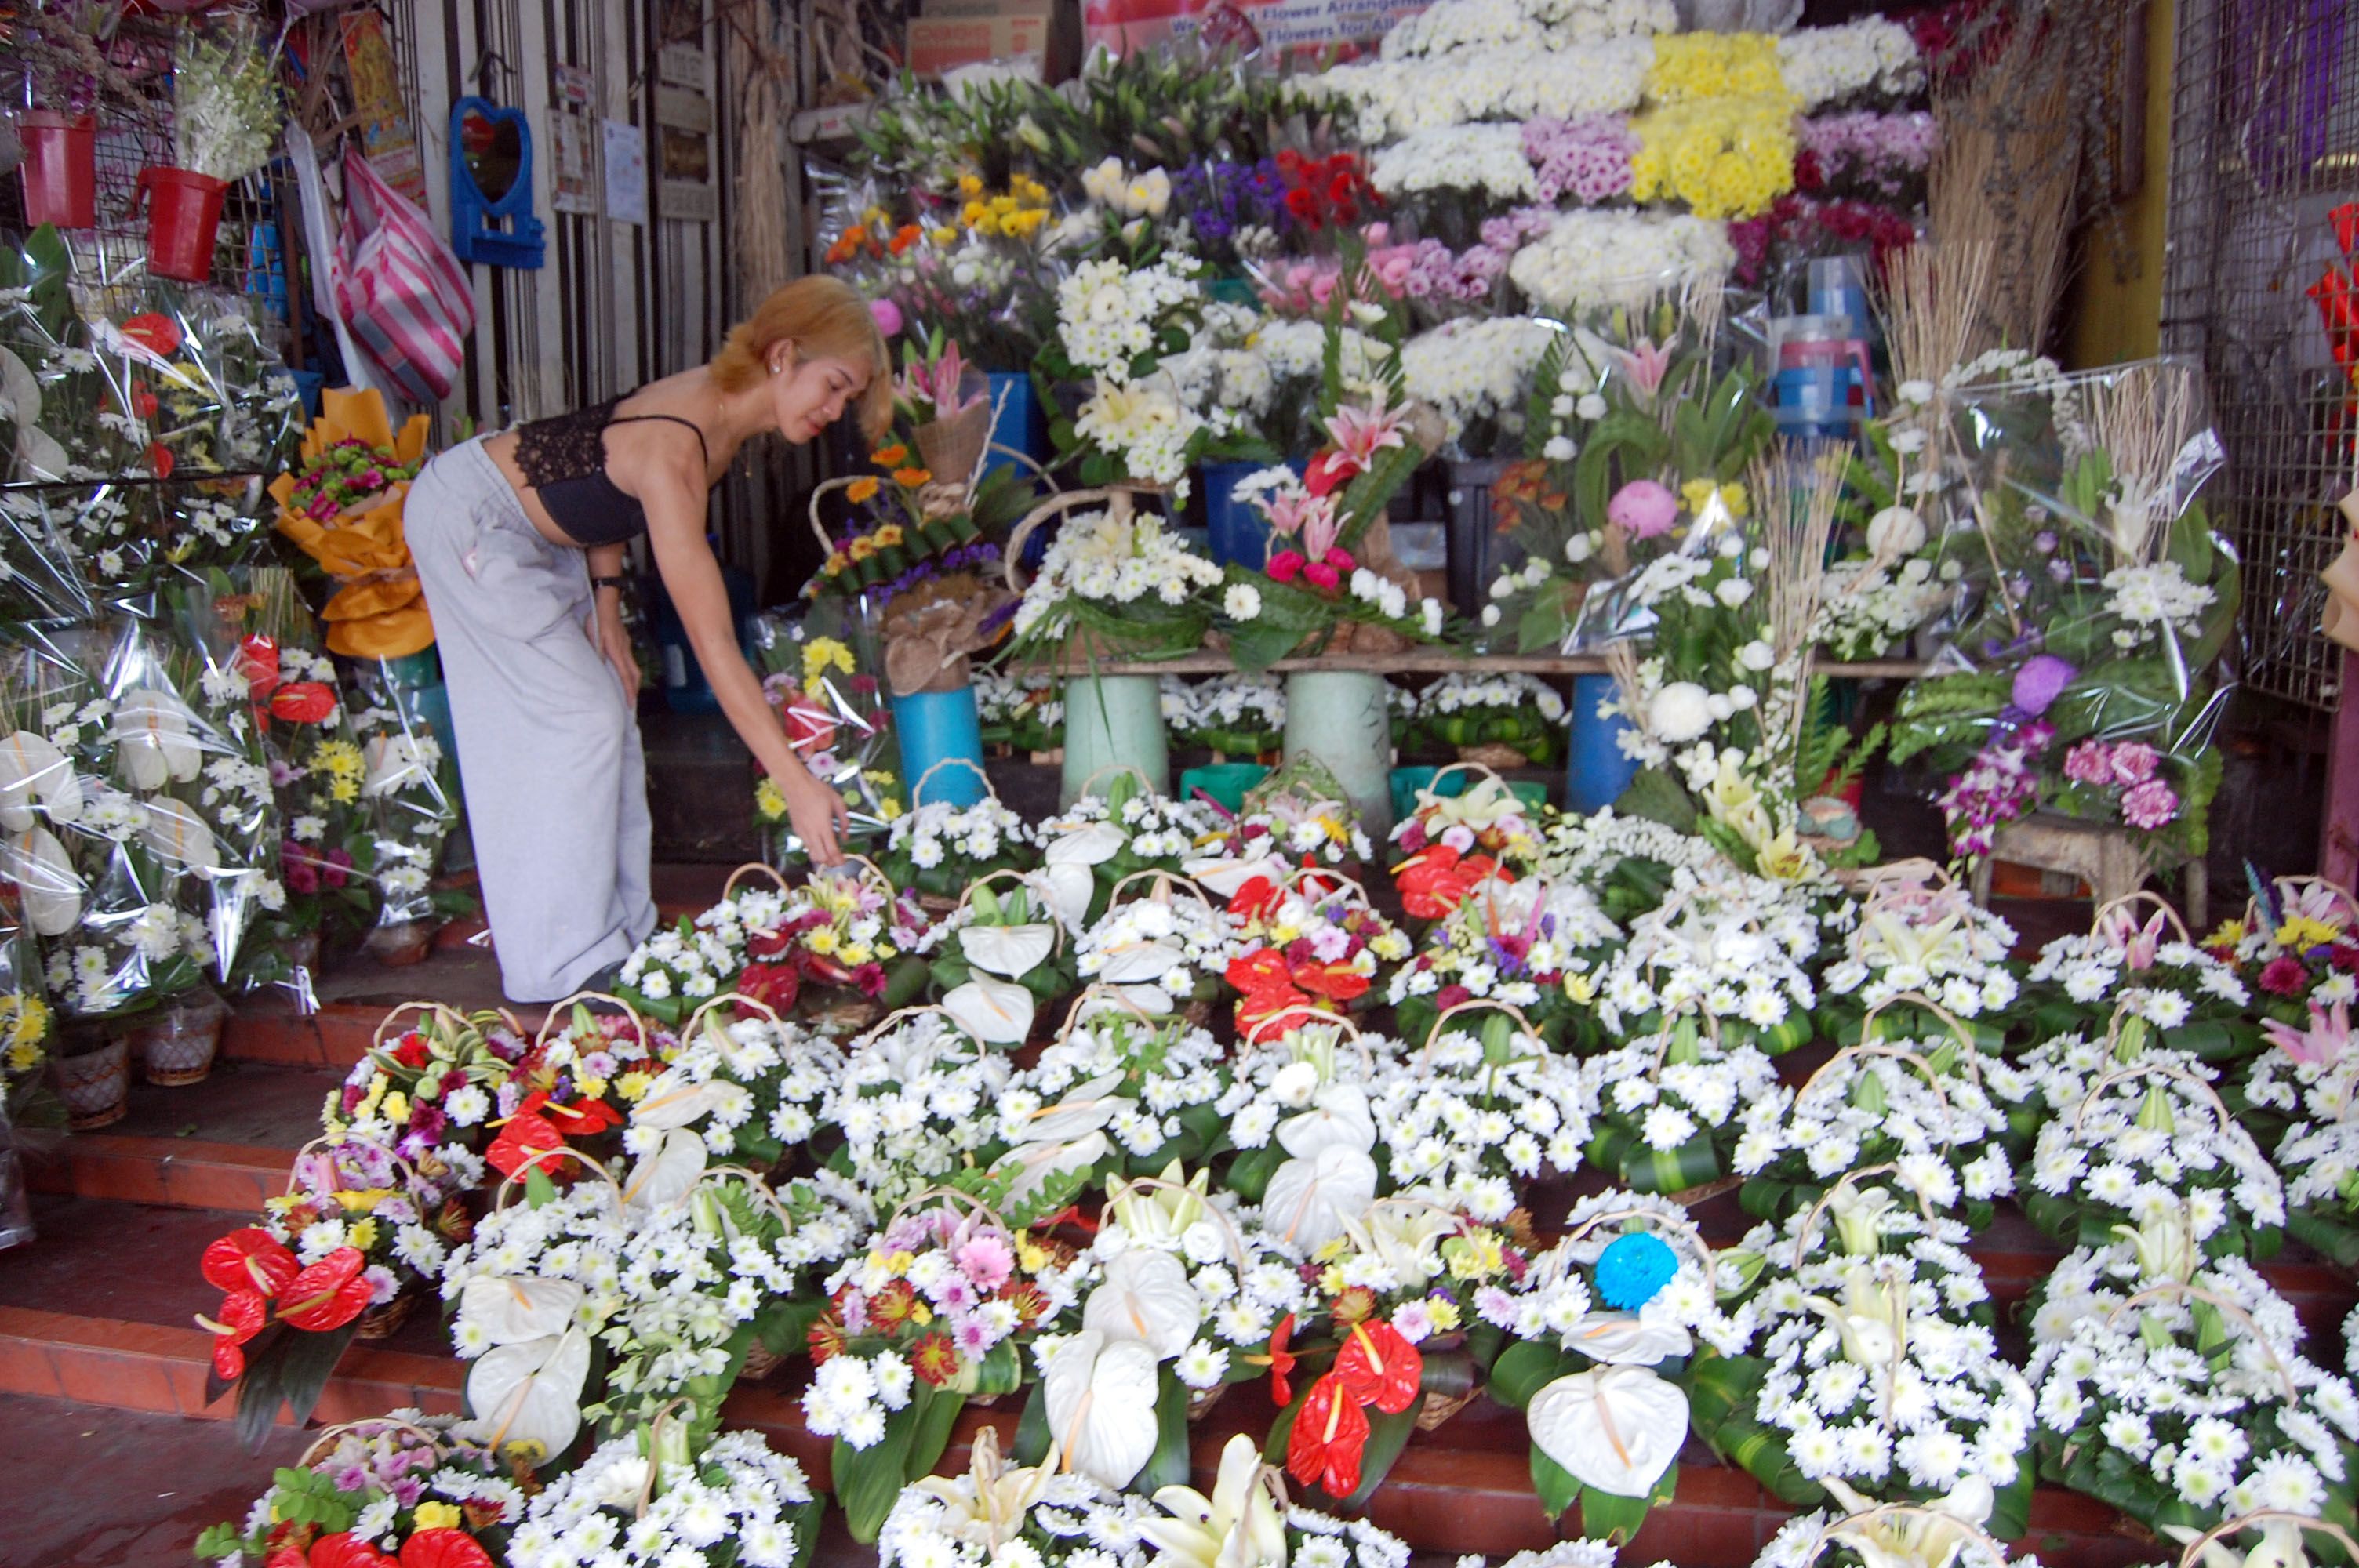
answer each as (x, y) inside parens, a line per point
(152, 735)
(1009, 951)
(1123, 1001)
(20, 391)
(1930, 1539)
(531, 1393)
(1241, 1525)
(1309, 1197)
(1226, 878)
(32, 768)
(1087, 846)
(45, 877)
(1338, 1118)
(1404, 1237)
(1624, 1339)
(997, 1012)
(1614, 1428)
(1859, 1217)
(1137, 960)
(1001, 1501)
(1067, 887)
(39, 455)
(1035, 1164)
(664, 1177)
(670, 1105)
(1099, 1397)
(1146, 1297)
(512, 1309)
(1086, 1108)
(1873, 1317)
(174, 831)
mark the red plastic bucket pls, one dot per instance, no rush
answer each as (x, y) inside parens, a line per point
(60, 168)
(183, 216)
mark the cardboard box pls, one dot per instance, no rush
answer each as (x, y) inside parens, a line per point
(953, 33)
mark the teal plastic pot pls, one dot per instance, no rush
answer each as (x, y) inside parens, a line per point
(1224, 781)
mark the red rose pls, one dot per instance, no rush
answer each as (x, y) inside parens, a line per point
(413, 1051)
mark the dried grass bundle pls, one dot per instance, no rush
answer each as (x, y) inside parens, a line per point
(1930, 297)
(1622, 663)
(2142, 418)
(2005, 174)
(1797, 487)
(763, 224)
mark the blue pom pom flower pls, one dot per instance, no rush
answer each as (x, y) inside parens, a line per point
(1633, 1268)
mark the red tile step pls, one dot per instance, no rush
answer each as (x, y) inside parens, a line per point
(225, 1143)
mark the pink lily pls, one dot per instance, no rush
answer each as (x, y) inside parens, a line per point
(1646, 365)
(2321, 1044)
(1360, 433)
(2136, 943)
(1311, 518)
(938, 383)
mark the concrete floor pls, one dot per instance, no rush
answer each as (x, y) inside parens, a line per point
(107, 1489)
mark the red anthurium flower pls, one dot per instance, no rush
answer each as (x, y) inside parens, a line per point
(1329, 1440)
(1257, 897)
(444, 1549)
(1329, 472)
(143, 402)
(159, 459)
(257, 660)
(1430, 882)
(1263, 969)
(302, 702)
(157, 333)
(1337, 981)
(327, 1295)
(522, 1142)
(249, 1260)
(809, 727)
(776, 984)
(584, 1119)
(1280, 1362)
(286, 1557)
(1379, 1367)
(1259, 1008)
(243, 1314)
(345, 1550)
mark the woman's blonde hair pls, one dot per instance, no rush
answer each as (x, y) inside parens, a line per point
(824, 318)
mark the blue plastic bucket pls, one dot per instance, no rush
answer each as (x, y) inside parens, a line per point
(937, 727)
(1235, 529)
(1596, 772)
(1015, 423)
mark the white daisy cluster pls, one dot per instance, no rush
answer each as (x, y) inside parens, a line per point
(1228, 705)
(1935, 942)
(1298, 1065)
(1664, 1094)
(728, 1072)
(1476, 369)
(1867, 610)
(972, 839)
(2166, 985)
(915, 1103)
(1386, 98)
(1111, 559)
(1487, 160)
(1736, 947)
(1151, 427)
(1942, 1133)
(735, 1496)
(2151, 598)
(1464, 1123)
(1109, 313)
(1586, 849)
(1002, 699)
(2319, 1156)
(577, 1239)
(1464, 692)
(1604, 256)
(1128, 1077)
(1149, 828)
(691, 965)
(1175, 944)
(1880, 1374)
(2200, 1405)
(1454, 25)
(1064, 1520)
(1871, 58)
(2145, 1147)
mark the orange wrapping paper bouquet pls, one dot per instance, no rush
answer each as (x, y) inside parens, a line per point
(379, 612)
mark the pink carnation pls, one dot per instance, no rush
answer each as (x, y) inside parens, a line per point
(2090, 763)
(2149, 805)
(2135, 762)
(1285, 566)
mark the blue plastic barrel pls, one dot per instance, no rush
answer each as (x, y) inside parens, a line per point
(1596, 772)
(938, 727)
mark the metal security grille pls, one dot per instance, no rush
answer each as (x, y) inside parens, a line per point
(2264, 141)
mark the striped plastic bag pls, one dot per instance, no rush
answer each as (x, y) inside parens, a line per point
(398, 287)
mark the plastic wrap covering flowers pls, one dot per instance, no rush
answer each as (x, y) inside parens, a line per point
(342, 506)
(404, 1484)
(410, 786)
(1629, 410)
(2090, 684)
(836, 718)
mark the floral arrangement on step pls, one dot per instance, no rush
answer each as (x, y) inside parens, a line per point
(1533, 945)
(2308, 1080)
(939, 848)
(1484, 1106)
(1669, 1109)
(1515, 714)
(1298, 944)
(1914, 933)
(2138, 962)
(2296, 947)
(367, 1491)
(1738, 949)
(1115, 1094)
(840, 945)
(1118, 582)
(942, 1306)
(1171, 941)
(1455, 843)
(1092, 845)
(1000, 955)
(1878, 1372)
(661, 1498)
(918, 1099)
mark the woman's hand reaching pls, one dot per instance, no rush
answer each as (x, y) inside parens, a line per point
(615, 647)
(815, 812)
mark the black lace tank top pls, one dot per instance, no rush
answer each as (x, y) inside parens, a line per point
(564, 458)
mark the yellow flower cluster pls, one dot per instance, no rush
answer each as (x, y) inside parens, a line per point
(1689, 67)
(823, 654)
(341, 761)
(24, 1024)
(1016, 213)
(1725, 157)
(1699, 492)
(769, 801)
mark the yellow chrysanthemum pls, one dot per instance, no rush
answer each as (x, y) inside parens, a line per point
(769, 801)
(1691, 66)
(634, 1087)
(437, 1516)
(2303, 932)
(362, 1235)
(1725, 157)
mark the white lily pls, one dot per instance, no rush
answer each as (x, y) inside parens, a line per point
(1099, 1394)
(32, 768)
(152, 736)
(1859, 1217)
(1160, 1214)
(1145, 1296)
(2166, 1245)
(989, 1505)
(1931, 1538)
(1241, 1525)
(1406, 1236)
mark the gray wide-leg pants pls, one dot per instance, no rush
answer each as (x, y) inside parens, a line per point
(549, 749)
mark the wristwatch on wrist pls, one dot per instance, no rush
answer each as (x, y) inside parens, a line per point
(614, 582)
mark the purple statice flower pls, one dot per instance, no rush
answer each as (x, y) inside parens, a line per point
(1586, 157)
